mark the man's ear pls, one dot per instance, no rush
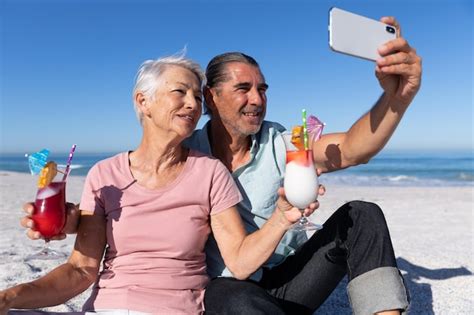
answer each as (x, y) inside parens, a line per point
(209, 98)
(142, 103)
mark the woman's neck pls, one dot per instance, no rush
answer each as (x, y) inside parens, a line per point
(157, 161)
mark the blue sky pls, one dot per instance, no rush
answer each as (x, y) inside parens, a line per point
(67, 67)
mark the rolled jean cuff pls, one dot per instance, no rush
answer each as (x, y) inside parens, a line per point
(378, 290)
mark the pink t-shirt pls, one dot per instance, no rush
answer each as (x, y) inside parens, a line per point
(155, 260)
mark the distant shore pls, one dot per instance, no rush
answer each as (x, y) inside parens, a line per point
(431, 228)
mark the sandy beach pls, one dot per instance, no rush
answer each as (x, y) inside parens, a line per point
(431, 228)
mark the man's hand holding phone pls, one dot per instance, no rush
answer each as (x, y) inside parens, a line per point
(399, 68)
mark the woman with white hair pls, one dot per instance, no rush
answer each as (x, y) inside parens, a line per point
(147, 213)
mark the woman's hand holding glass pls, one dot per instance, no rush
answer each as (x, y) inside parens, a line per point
(70, 227)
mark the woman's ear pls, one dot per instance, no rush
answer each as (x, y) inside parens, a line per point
(141, 102)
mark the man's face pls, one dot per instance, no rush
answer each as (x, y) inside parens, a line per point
(240, 102)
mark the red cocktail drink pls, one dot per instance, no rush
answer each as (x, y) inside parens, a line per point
(50, 209)
(49, 214)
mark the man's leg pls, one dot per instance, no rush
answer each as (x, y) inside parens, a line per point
(300, 284)
(227, 296)
(355, 240)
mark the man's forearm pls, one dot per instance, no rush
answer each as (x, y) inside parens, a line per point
(372, 131)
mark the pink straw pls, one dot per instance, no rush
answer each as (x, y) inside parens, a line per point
(68, 164)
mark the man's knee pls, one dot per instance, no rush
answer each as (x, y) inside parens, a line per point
(367, 214)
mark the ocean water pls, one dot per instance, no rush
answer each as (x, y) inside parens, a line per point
(409, 168)
(81, 162)
(391, 168)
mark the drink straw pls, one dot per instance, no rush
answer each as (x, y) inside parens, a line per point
(68, 164)
(305, 131)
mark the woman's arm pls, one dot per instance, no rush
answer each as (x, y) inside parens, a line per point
(70, 278)
(243, 254)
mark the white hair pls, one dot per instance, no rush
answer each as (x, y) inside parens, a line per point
(150, 72)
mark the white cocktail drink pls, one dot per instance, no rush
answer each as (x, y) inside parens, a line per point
(301, 181)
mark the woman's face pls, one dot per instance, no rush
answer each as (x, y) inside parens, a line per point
(177, 105)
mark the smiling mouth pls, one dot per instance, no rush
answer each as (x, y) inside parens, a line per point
(189, 118)
(251, 114)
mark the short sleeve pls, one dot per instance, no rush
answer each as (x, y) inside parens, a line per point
(224, 192)
(90, 199)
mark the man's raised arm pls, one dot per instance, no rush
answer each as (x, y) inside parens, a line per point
(399, 74)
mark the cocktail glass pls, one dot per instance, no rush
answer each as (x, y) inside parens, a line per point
(49, 216)
(301, 180)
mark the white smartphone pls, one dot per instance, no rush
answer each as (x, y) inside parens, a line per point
(357, 35)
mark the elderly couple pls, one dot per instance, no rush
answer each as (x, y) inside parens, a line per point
(193, 222)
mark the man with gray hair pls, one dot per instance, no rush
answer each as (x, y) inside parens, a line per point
(355, 240)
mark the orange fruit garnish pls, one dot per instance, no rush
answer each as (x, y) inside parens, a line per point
(297, 137)
(47, 174)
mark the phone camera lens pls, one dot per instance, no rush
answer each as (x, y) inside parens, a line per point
(390, 29)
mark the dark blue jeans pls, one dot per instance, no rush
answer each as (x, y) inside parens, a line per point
(355, 241)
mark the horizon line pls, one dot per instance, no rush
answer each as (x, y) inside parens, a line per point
(408, 149)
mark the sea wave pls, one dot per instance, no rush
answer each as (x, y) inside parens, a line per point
(390, 180)
(466, 176)
(400, 178)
